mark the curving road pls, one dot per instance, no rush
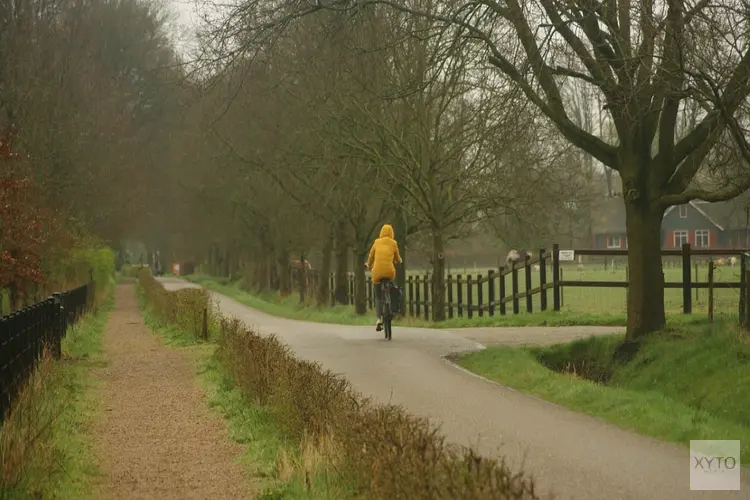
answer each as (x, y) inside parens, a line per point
(571, 455)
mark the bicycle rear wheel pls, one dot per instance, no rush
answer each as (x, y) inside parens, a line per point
(387, 317)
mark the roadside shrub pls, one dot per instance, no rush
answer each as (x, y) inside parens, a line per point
(191, 309)
(78, 266)
(390, 453)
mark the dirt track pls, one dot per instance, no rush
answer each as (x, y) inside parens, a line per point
(155, 437)
(574, 455)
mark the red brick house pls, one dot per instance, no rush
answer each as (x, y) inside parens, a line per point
(702, 224)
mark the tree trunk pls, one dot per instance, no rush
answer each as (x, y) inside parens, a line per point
(608, 177)
(282, 267)
(15, 297)
(341, 290)
(228, 268)
(646, 283)
(302, 279)
(360, 282)
(438, 275)
(399, 227)
(324, 287)
(269, 270)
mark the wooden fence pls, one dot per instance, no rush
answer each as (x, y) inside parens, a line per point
(489, 293)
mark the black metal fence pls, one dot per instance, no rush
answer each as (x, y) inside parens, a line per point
(24, 333)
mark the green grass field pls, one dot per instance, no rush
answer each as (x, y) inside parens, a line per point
(685, 383)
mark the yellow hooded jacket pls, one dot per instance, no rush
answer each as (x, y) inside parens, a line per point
(383, 254)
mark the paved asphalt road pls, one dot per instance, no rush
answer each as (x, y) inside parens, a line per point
(571, 455)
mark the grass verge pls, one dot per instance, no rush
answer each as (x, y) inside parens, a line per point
(289, 307)
(684, 383)
(45, 450)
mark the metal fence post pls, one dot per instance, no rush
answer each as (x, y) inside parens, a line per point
(58, 326)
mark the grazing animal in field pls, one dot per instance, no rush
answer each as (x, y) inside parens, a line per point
(512, 257)
(536, 268)
(580, 266)
(720, 262)
(733, 261)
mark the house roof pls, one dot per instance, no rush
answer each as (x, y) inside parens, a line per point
(729, 214)
(608, 216)
(704, 209)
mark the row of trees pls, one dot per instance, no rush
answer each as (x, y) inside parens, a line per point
(303, 127)
(91, 98)
(438, 115)
(350, 120)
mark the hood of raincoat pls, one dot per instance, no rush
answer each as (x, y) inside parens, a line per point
(386, 231)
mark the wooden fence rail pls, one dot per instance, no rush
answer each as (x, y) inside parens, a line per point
(486, 293)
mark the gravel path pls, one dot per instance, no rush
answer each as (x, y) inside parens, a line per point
(571, 454)
(155, 437)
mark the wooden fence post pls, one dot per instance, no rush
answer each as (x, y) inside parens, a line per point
(502, 291)
(427, 296)
(332, 288)
(529, 296)
(514, 286)
(417, 305)
(711, 291)
(491, 292)
(747, 300)
(411, 296)
(469, 308)
(480, 295)
(460, 293)
(369, 292)
(556, 277)
(542, 279)
(687, 297)
(205, 324)
(743, 285)
(450, 296)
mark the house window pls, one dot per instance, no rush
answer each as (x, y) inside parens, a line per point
(683, 211)
(613, 241)
(702, 238)
(680, 238)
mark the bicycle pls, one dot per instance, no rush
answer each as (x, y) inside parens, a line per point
(386, 286)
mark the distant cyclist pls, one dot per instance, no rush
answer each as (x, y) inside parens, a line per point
(383, 254)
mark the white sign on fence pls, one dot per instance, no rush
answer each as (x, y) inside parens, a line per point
(567, 255)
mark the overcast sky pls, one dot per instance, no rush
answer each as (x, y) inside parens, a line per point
(185, 21)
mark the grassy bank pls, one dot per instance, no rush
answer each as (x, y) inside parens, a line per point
(289, 307)
(45, 450)
(689, 382)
